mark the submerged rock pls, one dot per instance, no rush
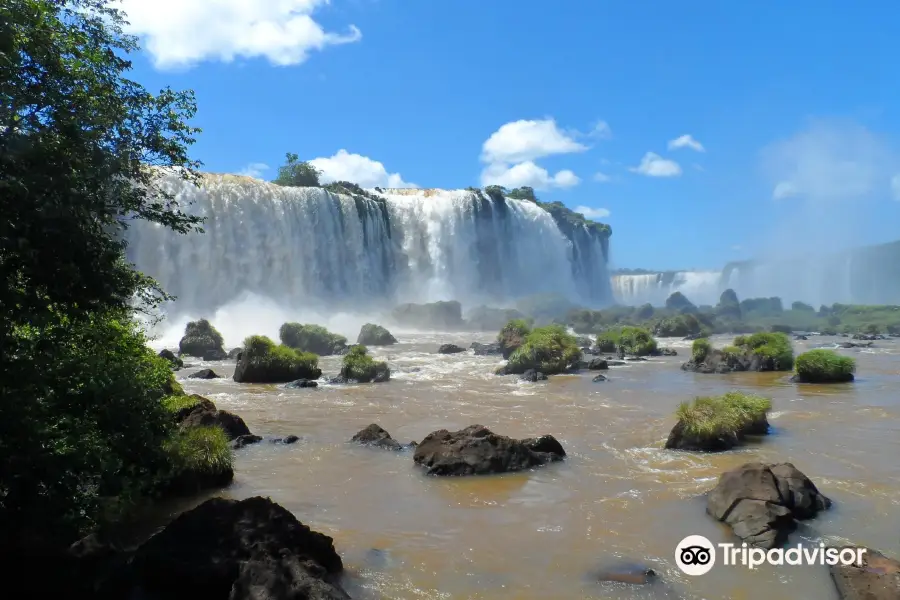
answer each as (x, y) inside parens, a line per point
(600, 378)
(876, 577)
(763, 502)
(597, 364)
(245, 440)
(374, 435)
(204, 374)
(290, 439)
(302, 383)
(666, 352)
(486, 349)
(624, 572)
(251, 549)
(476, 450)
(533, 376)
(450, 349)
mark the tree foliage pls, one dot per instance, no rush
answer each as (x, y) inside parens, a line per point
(297, 173)
(81, 148)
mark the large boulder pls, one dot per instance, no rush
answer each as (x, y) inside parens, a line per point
(375, 335)
(476, 450)
(512, 336)
(311, 338)
(205, 374)
(175, 362)
(358, 366)
(486, 349)
(876, 577)
(203, 416)
(597, 364)
(763, 502)
(203, 341)
(251, 549)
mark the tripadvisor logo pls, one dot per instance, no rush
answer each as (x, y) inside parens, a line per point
(696, 555)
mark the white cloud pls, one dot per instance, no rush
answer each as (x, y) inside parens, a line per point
(181, 33)
(654, 165)
(357, 169)
(254, 170)
(601, 131)
(602, 177)
(592, 213)
(831, 161)
(521, 141)
(686, 141)
(527, 173)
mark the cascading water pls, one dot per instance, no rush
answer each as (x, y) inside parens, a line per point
(310, 248)
(700, 287)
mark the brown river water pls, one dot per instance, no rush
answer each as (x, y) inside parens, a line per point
(619, 496)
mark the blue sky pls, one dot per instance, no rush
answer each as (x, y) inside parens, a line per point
(790, 108)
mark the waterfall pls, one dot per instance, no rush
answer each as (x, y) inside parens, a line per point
(311, 248)
(700, 287)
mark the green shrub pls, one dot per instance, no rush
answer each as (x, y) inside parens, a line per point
(678, 326)
(608, 341)
(731, 352)
(700, 349)
(549, 349)
(824, 366)
(637, 341)
(728, 415)
(513, 335)
(175, 404)
(262, 361)
(359, 366)
(771, 345)
(311, 338)
(202, 340)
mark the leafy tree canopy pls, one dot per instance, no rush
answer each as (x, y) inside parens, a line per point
(297, 173)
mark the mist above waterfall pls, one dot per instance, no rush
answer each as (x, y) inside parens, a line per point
(271, 254)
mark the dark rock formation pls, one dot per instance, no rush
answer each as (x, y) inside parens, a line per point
(762, 502)
(245, 440)
(533, 376)
(486, 349)
(800, 338)
(597, 364)
(679, 440)
(877, 577)
(476, 450)
(175, 362)
(450, 349)
(615, 363)
(717, 361)
(203, 416)
(665, 352)
(251, 549)
(375, 335)
(302, 383)
(204, 374)
(600, 378)
(624, 572)
(290, 439)
(374, 435)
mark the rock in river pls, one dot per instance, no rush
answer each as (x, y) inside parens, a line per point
(476, 450)
(374, 435)
(762, 502)
(250, 549)
(205, 374)
(876, 577)
(450, 349)
(533, 376)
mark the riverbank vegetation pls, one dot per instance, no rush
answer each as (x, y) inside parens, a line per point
(824, 366)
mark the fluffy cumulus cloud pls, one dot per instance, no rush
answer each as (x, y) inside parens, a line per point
(510, 152)
(592, 213)
(254, 170)
(654, 165)
(527, 173)
(831, 161)
(686, 141)
(181, 33)
(358, 169)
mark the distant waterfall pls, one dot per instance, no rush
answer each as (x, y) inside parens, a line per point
(308, 247)
(700, 287)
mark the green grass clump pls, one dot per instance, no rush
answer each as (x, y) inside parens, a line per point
(198, 454)
(608, 341)
(700, 349)
(361, 367)
(771, 345)
(262, 361)
(175, 404)
(728, 415)
(311, 338)
(514, 330)
(635, 341)
(824, 366)
(549, 349)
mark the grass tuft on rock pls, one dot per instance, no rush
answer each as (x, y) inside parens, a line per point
(199, 457)
(549, 349)
(635, 341)
(359, 366)
(311, 338)
(773, 346)
(824, 366)
(262, 361)
(731, 414)
(700, 349)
